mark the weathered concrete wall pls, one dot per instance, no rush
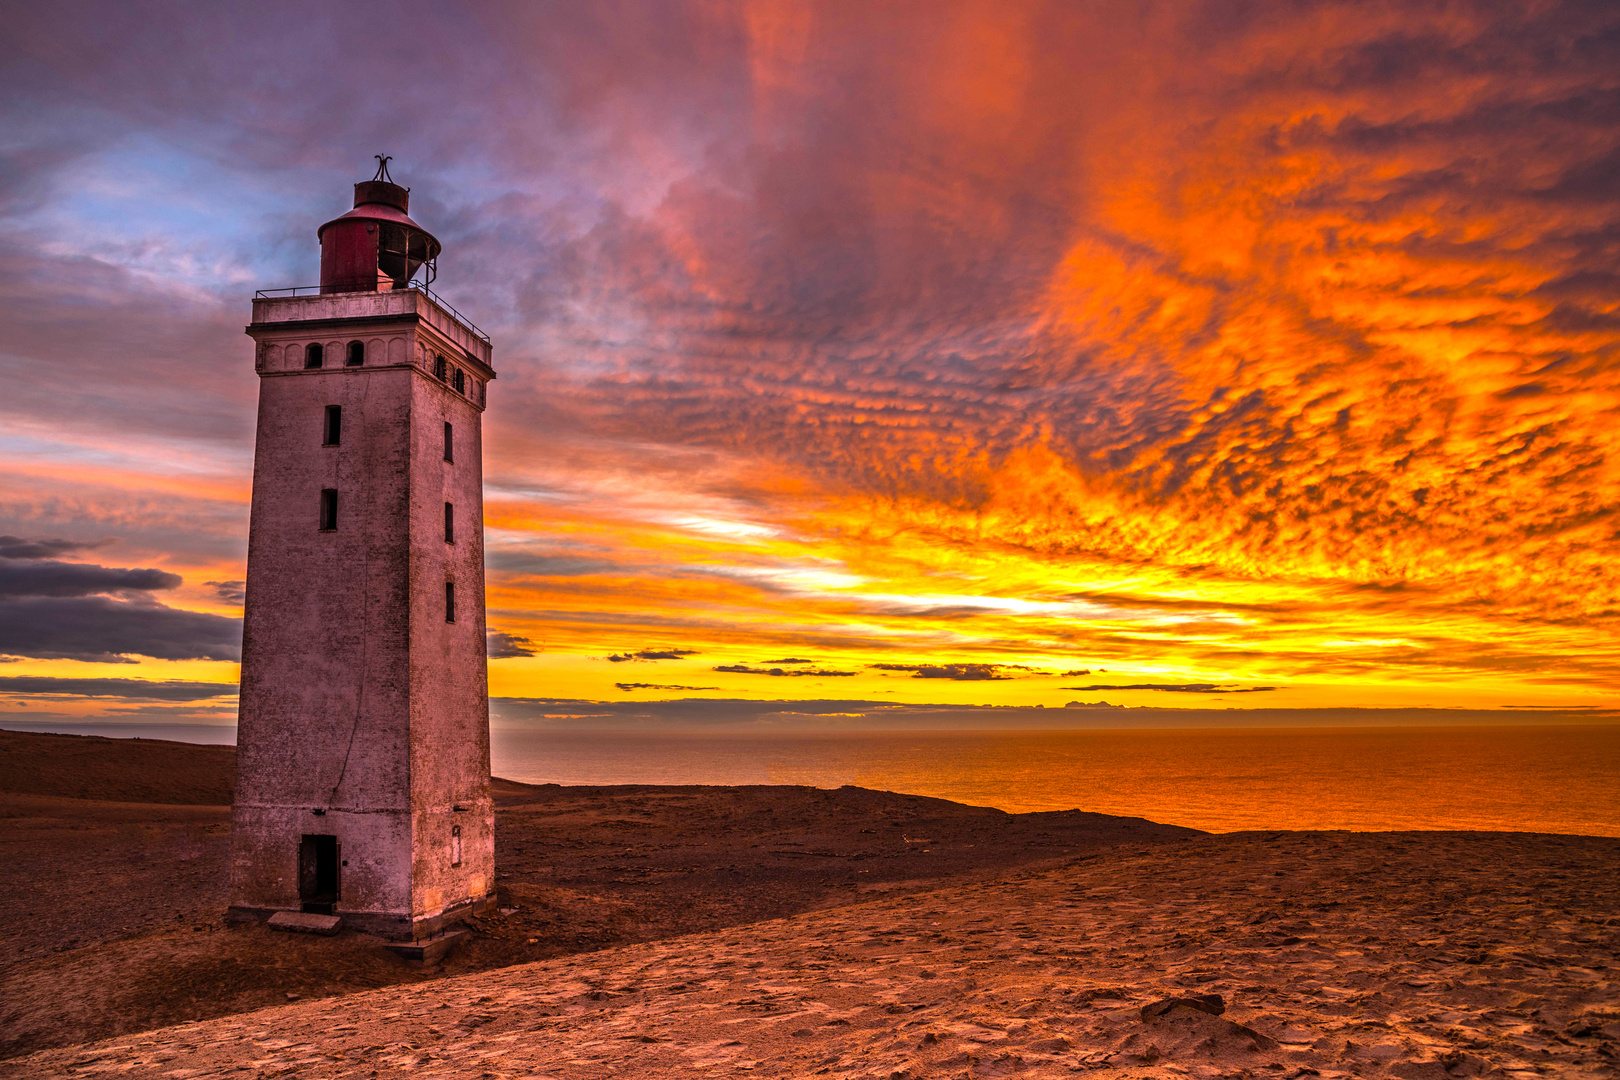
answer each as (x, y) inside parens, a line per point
(449, 691)
(358, 699)
(325, 660)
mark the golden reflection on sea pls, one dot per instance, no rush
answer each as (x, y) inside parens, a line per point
(1509, 778)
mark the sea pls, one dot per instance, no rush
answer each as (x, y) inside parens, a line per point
(1532, 778)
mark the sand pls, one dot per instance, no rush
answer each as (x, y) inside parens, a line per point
(113, 910)
(1334, 954)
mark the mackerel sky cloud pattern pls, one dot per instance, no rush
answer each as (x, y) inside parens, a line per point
(1245, 347)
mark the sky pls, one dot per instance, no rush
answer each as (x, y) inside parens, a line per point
(856, 359)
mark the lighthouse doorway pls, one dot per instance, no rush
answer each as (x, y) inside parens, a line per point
(318, 877)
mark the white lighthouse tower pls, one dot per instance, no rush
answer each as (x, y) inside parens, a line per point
(363, 746)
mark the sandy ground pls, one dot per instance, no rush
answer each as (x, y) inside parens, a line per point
(112, 909)
(1408, 955)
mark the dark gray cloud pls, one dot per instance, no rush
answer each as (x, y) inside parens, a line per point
(651, 654)
(870, 715)
(745, 669)
(80, 611)
(104, 629)
(503, 646)
(1179, 688)
(657, 686)
(38, 577)
(230, 592)
(170, 690)
(790, 660)
(15, 547)
(956, 672)
(698, 711)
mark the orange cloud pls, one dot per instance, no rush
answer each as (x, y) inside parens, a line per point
(1202, 346)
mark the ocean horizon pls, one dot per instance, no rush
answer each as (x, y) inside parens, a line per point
(1539, 778)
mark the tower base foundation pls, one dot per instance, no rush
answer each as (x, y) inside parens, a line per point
(392, 926)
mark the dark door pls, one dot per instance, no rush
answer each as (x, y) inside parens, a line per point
(318, 874)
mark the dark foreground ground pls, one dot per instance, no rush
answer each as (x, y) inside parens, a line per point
(791, 932)
(113, 867)
(1413, 956)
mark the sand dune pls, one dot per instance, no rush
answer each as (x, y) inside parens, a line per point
(795, 932)
(113, 909)
(116, 770)
(1403, 955)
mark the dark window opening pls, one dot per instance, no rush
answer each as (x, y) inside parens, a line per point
(333, 432)
(440, 368)
(328, 509)
(449, 454)
(313, 355)
(319, 875)
(357, 354)
(455, 845)
(449, 601)
(460, 381)
(449, 524)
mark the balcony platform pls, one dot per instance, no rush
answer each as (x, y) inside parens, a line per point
(308, 306)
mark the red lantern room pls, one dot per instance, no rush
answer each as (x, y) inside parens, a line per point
(376, 246)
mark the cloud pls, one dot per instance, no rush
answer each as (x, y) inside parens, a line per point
(205, 713)
(651, 654)
(168, 690)
(744, 669)
(503, 646)
(656, 686)
(957, 672)
(79, 611)
(865, 714)
(100, 628)
(1180, 688)
(42, 578)
(229, 592)
(15, 547)
(790, 660)
(521, 562)
(1278, 335)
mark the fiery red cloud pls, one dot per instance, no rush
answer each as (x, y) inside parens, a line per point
(1249, 347)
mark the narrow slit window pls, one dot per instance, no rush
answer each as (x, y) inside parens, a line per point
(313, 355)
(455, 845)
(357, 354)
(332, 434)
(449, 601)
(449, 444)
(440, 368)
(460, 381)
(328, 509)
(449, 523)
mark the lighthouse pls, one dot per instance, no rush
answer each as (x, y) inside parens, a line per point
(362, 785)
